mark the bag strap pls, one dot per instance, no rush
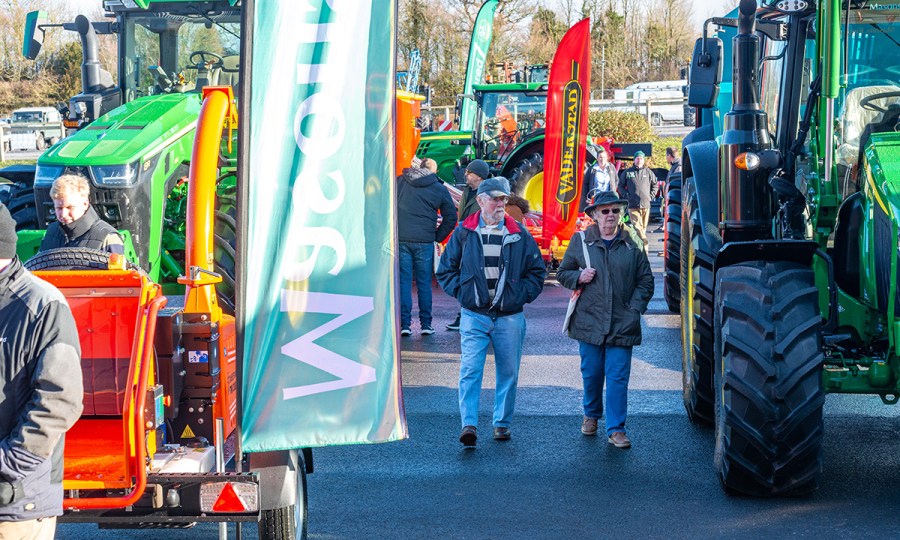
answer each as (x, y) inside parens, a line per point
(587, 257)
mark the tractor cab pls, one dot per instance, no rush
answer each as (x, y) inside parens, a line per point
(508, 115)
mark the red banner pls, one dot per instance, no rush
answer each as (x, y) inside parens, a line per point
(567, 109)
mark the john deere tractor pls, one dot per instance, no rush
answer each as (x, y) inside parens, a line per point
(508, 134)
(789, 227)
(132, 138)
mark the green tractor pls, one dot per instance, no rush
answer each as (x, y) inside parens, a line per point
(133, 138)
(508, 134)
(789, 225)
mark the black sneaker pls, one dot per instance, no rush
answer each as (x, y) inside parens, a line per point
(405, 331)
(454, 325)
(427, 330)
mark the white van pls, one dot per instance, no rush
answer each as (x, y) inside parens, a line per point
(668, 91)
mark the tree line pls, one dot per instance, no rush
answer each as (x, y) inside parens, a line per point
(631, 40)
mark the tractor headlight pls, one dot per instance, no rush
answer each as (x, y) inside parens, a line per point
(115, 176)
(44, 175)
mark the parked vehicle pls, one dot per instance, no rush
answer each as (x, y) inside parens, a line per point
(787, 250)
(35, 128)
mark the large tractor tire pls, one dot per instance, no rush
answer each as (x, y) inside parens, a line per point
(225, 238)
(697, 284)
(23, 209)
(527, 180)
(672, 243)
(71, 259)
(289, 522)
(769, 392)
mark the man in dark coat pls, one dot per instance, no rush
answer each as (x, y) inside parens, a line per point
(638, 186)
(420, 198)
(77, 224)
(40, 368)
(493, 267)
(616, 287)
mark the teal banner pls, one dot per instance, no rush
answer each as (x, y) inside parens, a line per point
(482, 33)
(321, 358)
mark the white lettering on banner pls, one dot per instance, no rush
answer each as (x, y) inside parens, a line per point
(328, 130)
(319, 131)
(318, 237)
(348, 308)
(479, 63)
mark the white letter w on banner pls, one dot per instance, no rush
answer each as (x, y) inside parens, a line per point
(348, 308)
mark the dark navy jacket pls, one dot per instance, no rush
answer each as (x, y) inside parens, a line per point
(522, 270)
(419, 197)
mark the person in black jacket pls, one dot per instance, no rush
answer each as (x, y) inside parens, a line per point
(40, 367)
(637, 185)
(77, 224)
(615, 289)
(420, 196)
(493, 267)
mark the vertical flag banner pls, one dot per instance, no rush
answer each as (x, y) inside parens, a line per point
(321, 358)
(564, 146)
(482, 34)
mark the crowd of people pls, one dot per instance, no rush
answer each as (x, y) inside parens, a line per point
(492, 266)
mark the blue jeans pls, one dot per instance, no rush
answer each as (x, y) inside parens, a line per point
(614, 365)
(506, 334)
(416, 260)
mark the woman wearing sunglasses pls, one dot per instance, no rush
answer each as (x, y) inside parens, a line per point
(608, 263)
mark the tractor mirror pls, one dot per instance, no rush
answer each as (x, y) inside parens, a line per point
(34, 34)
(706, 73)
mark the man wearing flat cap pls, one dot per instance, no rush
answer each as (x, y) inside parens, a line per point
(493, 267)
(40, 372)
(637, 185)
(616, 285)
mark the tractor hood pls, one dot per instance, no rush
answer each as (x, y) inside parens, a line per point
(135, 131)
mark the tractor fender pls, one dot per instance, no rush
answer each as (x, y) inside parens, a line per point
(704, 133)
(535, 145)
(277, 486)
(700, 166)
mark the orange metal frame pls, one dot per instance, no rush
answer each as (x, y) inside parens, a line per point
(90, 292)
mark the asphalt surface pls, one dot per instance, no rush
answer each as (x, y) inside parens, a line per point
(550, 481)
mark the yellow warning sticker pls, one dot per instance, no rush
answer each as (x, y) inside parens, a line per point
(187, 433)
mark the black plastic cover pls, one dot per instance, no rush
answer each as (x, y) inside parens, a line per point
(706, 73)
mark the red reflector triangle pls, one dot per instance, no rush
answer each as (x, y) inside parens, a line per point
(228, 501)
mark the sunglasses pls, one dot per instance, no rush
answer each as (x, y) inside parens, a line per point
(605, 211)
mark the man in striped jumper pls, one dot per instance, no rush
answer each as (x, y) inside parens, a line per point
(493, 267)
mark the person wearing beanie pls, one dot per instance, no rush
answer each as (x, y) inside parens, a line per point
(476, 172)
(637, 185)
(493, 267)
(77, 224)
(40, 368)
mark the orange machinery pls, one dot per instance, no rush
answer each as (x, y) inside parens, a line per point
(408, 133)
(152, 375)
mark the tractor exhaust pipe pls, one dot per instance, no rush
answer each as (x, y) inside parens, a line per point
(746, 205)
(90, 66)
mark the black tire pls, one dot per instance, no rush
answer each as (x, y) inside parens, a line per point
(696, 318)
(769, 391)
(672, 243)
(282, 523)
(23, 209)
(224, 245)
(655, 119)
(70, 259)
(523, 172)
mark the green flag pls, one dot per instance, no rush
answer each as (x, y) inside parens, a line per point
(321, 358)
(478, 48)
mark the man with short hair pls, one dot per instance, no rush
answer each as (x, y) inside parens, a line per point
(77, 224)
(600, 177)
(420, 196)
(476, 171)
(493, 267)
(40, 371)
(637, 185)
